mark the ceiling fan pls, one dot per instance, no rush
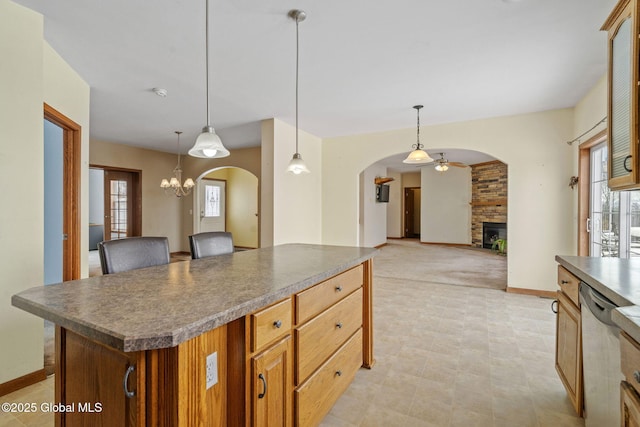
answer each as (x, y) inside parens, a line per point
(443, 164)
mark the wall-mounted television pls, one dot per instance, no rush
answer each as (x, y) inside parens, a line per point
(382, 193)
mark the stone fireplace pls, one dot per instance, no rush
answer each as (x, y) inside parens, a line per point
(488, 199)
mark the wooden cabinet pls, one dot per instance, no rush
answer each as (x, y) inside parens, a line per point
(95, 377)
(630, 387)
(569, 338)
(622, 111)
(272, 385)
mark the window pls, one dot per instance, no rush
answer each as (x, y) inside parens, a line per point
(614, 220)
(212, 201)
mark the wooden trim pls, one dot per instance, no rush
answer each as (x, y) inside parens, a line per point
(614, 15)
(382, 180)
(136, 196)
(462, 245)
(368, 359)
(180, 253)
(72, 133)
(584, 188)
(380, 245)
(534, 292)
(23, 381)
(496, 202)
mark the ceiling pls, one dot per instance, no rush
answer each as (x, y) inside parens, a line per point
(363, 64)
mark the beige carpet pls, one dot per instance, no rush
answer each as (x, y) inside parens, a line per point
(448, 265)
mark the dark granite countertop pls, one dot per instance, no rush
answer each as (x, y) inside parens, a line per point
(616, 278)
(159, 307)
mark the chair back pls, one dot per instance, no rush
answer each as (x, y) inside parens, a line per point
(210, 243)
(132, 253)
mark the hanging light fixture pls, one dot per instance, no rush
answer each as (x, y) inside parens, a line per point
(418, 155)
(208, 145)
(174, 185)
(296, 165)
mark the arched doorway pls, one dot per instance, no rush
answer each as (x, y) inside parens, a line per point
(226, 199)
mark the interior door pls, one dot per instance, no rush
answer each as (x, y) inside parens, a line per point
(411, 206)
(213, 196)
(118, 204)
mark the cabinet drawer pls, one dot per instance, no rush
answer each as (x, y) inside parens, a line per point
(314, 300)
(319, 338)
(314, 399)
(630, 360)
(569, 284)
(270, 323)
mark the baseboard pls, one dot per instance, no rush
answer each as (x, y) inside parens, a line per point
(380, 245)
(465, 245)
(180, 253)
(534, 292)
(22, 382)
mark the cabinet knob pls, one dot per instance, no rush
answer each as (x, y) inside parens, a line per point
(277, 324)
(338, 288)
(636, 375)
(338, 373)
(339, 325)
(125, 382)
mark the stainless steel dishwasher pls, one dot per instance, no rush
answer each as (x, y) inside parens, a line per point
(600, 359)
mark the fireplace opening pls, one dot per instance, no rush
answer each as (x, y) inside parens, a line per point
(491, 231)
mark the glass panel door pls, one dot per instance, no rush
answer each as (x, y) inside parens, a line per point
(118, 205)
(604, 215)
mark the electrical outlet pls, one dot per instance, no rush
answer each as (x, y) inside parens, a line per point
(212, 370)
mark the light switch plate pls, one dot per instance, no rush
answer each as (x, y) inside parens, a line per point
(212, 370)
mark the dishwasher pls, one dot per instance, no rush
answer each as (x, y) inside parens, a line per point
(600, 359)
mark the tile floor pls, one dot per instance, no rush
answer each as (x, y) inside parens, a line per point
(446, 355)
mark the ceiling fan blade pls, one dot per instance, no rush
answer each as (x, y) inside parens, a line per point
(458, 165)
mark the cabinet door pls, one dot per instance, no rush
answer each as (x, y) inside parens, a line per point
(94, 377)
(272, 379)
(569, 349)
(629, 405)
(623, 97)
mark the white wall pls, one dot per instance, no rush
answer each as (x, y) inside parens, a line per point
(31, 74)
(533, 145)
(374, 217)
(446, 212)
(297, 212)
(394, 207)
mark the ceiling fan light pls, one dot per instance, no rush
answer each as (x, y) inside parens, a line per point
(418, 156)
(297, 165)
(208, 145)
(442, 167)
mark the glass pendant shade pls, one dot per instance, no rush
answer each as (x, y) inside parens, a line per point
(297, 166)
(418, 156)
(208, 145)
(442, 168)
(165, 183)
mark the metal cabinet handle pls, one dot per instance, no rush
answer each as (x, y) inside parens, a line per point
(277, 324)
(624, 164)
(264, 385)
(338, 288)
(564, 282)
(339, 373)
(636, 375)
(125, 382)
(555, 302)
(339, 325)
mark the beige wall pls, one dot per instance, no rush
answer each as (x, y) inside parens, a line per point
(31, 74)
(373, 215)
(161, 214)
(242, 204)
(446, 209)
(533, 145)
(296, 209)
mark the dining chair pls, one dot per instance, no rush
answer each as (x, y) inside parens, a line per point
(132, 253)
(210, 243)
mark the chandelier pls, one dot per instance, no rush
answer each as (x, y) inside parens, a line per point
(174, 185)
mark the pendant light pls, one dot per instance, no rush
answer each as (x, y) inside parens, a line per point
(418, 155)
(296, 165)
(174, 185)
(208, 145)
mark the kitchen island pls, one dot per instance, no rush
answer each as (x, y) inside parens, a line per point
(261, 336)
